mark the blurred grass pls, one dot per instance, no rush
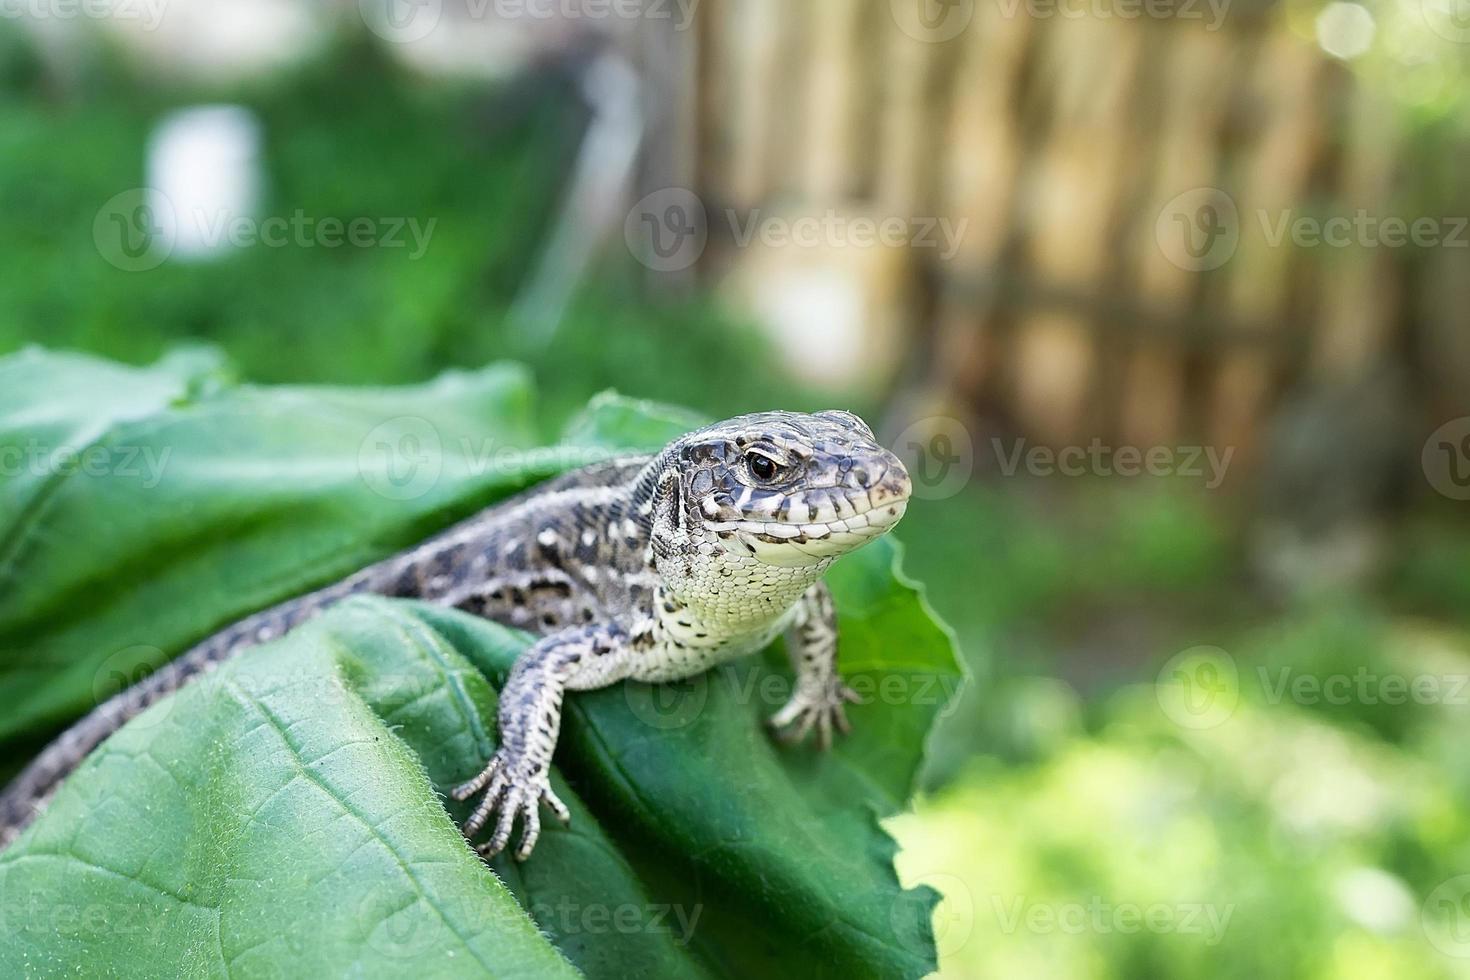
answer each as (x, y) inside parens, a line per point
(1056, 780)
(1315, 824)
(347, 136)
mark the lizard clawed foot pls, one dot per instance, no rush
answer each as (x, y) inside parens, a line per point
(512, 786)
(821, 708)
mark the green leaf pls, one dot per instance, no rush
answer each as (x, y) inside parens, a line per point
(146, 513)
(268, 821)
(283, 816)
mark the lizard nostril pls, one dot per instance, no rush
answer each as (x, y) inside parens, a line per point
(858, 476)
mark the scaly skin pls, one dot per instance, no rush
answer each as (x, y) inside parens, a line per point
(653, 568)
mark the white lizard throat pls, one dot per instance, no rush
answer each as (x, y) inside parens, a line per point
(729, 588)
(721, 607)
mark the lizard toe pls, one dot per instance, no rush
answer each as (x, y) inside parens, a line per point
(786, 715)
(839, 717)
(508, 808)
(477, 820)
(465, 790)
(554, 803)
(824, 729)
(530, 828)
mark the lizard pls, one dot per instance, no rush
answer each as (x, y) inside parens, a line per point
(649, 568)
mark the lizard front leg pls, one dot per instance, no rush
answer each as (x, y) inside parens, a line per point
(517, 778)
(820, 694)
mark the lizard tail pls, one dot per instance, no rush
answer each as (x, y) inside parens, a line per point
(29, 793)
(408, 574)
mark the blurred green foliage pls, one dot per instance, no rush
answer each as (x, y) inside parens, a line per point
(1304, 835)
(1317, 828)
(1275, 845)
(348, 136)
(1058, 785)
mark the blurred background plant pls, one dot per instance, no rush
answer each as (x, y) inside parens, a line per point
(1218, 685)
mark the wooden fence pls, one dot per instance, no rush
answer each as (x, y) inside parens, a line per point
(1124, 186)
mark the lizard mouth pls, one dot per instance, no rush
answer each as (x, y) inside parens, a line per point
(791, 544)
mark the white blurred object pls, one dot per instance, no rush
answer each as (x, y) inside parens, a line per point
(836, 310)
(458, 38)
(501, 38)
(817, 318)
(203, 177)
(223, 39)
(1375, 899)
(1345, 30)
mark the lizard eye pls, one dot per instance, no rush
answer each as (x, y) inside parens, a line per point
(762, 467)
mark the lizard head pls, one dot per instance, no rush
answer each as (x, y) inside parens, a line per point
(791, 489)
